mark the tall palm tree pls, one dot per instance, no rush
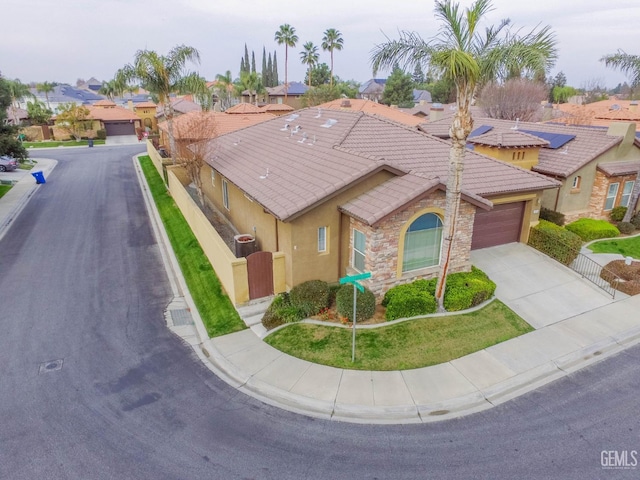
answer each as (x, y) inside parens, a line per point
(462, 54)
(309, 57)
(18, 92)
(250, 82)
(226, 88)
(286, 35)
(163, 75)
(331, 41)
(46, 88)
(629, 65)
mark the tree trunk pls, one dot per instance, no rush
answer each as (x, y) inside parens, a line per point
(286, 72)
(633, 200)
(168, 113)
(460, 129)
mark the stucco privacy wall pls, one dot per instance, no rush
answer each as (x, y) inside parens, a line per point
(156, 159)
(385, 243)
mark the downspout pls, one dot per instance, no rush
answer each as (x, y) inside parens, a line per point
(277, 236)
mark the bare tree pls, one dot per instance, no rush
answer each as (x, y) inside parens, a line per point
(195, 141)
(516, 98)
(594, 90)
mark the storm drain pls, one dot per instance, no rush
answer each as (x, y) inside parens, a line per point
(50, 366)
(181, 317)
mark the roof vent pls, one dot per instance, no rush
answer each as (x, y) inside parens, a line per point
(615, 106)
(329, 123)
(345, 103)
(319, 114)
(304, 137)
(285, 128)
(296, 129)
(515, 127)
(291, 117)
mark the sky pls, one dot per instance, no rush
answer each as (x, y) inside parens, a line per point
(63, 40)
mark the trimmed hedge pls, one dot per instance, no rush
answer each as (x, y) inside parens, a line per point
(552, 216)
(410, 302)
(591, 229)
(617, 214)
(311, 296)
(557, 242)
(467, 289)
(636, 220)
(626, 227)
(419, 286)
(365, 303)
(281, 311)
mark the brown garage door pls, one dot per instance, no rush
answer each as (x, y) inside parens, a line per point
(119, 128)
(500, 225)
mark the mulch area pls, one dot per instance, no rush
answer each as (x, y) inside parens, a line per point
(330, 315)
(630, 275)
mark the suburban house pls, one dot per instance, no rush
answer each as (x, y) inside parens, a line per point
(62, 94)
(373, 108)
(338, 191)
(106, 115)
(372, 89)
(597, 167)
(180, 106)
(598, 114)
(147, 112)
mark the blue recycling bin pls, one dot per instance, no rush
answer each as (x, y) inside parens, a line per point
(90, 142)
(39, 176)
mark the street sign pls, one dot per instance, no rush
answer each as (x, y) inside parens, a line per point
(354, 280)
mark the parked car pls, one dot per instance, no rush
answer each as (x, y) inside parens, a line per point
(7, 164)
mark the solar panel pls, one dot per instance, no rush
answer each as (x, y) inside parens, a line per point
(481, 130)
(556, 140)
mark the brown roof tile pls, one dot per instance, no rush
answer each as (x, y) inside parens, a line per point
(614, 169)
(112, 113)
(243, 108)
(373, 108)
(510, 139)
(277, 107)
(218, 123)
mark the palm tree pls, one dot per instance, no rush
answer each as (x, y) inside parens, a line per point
(250, 82)
(309, 56)
(163, 75)
(18, 91)
(286, 35)
(46, 88)
(331, 41)
(463, 55)
(226, 87)
(629, 65)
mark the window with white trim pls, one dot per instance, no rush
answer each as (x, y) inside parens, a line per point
(626, 193)
(422, 243)
(322, 239)
(359, 243)
(576, 182)
(225, 194)
(612, 193)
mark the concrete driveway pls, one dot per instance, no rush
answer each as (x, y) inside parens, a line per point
(539, 289)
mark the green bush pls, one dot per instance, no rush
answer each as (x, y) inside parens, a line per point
(626, 227)
(617, 214)
(365, 303)
(552, 216)
(636, 221)
(281, 311)
(311, 296)
(555, 241)
(467, 289)
(410, 302)
(591, 229)
(101, 134)
(421, 285)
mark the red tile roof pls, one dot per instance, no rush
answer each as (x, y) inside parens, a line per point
(218, 123)
(112, 113)
(367, 106)
(243, 108)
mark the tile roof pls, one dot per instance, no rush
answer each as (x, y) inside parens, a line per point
(599, 114)
(614, 169)
(112, 114)
(218, 123)
(277, 107)
(243, 108)
(588, 144)
(180, 105)
(289, 173)
(104, 103)
(146, 104)
(508, 139)
(295, 88)
(367, 106)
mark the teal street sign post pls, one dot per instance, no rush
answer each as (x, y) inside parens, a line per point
(353, 279)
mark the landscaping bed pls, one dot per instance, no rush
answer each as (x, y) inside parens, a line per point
(630, 275)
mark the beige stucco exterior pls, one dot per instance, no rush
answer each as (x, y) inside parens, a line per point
(526, 158)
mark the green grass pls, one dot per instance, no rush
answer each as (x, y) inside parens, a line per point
(411, 344)
(4, 189)
(67, 143)
(215, 308)
(629, 247)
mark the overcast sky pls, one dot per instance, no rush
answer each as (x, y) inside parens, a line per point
(63, 40)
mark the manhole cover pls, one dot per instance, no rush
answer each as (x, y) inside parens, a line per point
(50, 366)
(181, 317)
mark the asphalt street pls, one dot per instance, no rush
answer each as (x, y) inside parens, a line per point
(94, 386)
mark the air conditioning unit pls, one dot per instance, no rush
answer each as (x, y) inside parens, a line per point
(245, 245)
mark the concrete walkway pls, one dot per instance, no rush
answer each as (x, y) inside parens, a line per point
(576, 325)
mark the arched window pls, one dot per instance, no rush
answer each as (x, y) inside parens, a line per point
(422, 243)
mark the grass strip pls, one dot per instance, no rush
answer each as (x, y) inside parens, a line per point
(407, 345)
(4, 189)
(629, 247)
(215, 308)
(70, 143)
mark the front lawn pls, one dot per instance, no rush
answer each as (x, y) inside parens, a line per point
(215, 308)
(628, 247)
(66, 143)
(407, 345)
(4, 189)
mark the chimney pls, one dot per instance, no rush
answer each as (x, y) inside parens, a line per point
(625, 130)
(130, 104)
(345, 103)
(547, 112)
(436, 112)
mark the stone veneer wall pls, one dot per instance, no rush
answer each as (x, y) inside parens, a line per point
(382, 241)
(599, 194)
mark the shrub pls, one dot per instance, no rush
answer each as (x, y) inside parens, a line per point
(617, 214)
(101, 134)
(467, 289)
(365, 303)
(626, 227)
(552, 216)
(410, 302)
(311, 296)
(421, 285)
(557, 242)
(281, 311)
(591, 229)
(636, 221)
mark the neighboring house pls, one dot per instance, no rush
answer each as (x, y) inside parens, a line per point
(372, 89)
(180, 107)
(338, 192)
(597, 166)
(373, 108)
(92, 84)
(147, 112)
(276, 95)
(64, 94)
(421, 97)
(598, 114)
(105, 115)
(16, 116)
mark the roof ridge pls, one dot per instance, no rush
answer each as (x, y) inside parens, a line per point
(348, 130)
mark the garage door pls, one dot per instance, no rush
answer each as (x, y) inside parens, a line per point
(119, 128)
(500, 225)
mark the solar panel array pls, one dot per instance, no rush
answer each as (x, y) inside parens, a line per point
(556, 140)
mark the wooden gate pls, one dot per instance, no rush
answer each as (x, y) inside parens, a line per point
(260, 274)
